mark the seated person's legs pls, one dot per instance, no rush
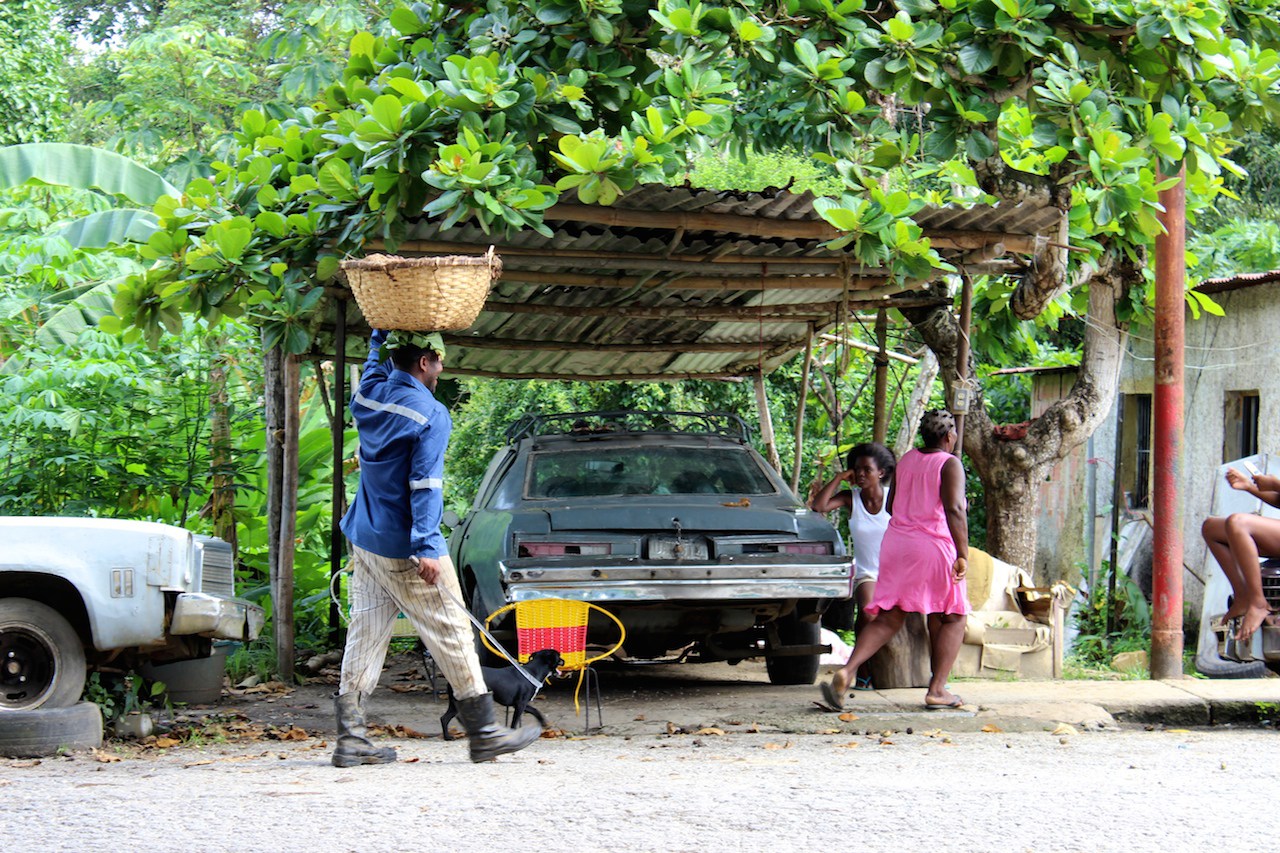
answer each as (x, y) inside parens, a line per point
(1249, 537)
(1214, 531)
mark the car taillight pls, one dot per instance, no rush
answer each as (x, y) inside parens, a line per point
(805, 548)
(563, 549)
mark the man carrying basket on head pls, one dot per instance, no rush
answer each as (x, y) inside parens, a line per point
(399, 560)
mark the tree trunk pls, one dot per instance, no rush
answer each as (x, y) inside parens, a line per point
(915, 405)
(1011, 471)
(904, 660)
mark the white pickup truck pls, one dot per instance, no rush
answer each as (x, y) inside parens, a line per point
(81, 591)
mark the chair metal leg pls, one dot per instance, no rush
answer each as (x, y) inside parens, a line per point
(592, 685)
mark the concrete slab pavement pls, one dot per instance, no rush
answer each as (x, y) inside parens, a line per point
(660, 700)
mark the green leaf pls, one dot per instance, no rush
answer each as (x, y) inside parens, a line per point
(601, 29)
(807, 54)
(336, 181)
(109, 228)
(81, 167)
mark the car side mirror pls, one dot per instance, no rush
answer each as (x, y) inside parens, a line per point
(450, 519)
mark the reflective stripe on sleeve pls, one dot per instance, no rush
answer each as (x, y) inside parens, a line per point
(429, 483)
(393, 408)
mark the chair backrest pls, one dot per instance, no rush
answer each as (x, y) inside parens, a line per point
(560, 624)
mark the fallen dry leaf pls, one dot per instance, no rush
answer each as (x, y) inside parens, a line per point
(166, 742)
(1064, 729)
(35, 763)
(396, 731)
(992, 728)
(850, 745)
(639, 718)
(848, 718)
(293, 733)
(672, 728)
(744, 502)
(786, 745)
(198, 763)
(104, 757)
(884, 741)
(709, 730)
(411, 760)
(829, 731)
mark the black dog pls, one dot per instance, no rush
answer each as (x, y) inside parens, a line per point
(511, 689)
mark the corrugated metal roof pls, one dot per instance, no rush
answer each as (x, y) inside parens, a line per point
(1236, 282)
(673, 282)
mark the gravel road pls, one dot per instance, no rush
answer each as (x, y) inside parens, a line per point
(927, 790)
(257, 778)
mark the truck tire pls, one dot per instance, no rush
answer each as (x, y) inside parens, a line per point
(41, 657)
(45, 731)
(795, 669)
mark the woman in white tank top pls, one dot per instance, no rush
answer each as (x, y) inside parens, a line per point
(870, 469)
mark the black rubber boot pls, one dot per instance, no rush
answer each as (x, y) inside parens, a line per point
(488, 739)
(354, 746)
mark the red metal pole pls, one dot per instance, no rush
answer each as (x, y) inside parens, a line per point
(1166, 582)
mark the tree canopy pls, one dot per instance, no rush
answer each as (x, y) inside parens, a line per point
(493, 112)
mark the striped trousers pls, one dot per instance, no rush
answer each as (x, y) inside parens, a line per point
(383, 587)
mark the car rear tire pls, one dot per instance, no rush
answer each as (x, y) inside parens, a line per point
(41, 657)
(45, 731)
(795, 669)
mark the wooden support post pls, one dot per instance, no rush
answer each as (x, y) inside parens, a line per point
(960, 390)
(766, 424)
(273, 385)
(222, 500)
(282, 583)
(880, 422)
(1167, 432)
(337, 429)
(800, 406)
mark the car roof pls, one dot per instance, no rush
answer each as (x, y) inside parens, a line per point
(609, 424)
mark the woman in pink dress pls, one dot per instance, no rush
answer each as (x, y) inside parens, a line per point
(923, 560)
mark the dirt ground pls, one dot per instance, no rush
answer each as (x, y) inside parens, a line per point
(690, 759)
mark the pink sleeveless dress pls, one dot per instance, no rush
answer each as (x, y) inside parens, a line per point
(917, 552)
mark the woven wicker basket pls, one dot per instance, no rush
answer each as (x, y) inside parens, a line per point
(422, 294)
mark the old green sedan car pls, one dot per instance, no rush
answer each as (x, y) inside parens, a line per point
(671, 521)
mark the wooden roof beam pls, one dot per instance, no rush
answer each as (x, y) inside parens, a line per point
(491, 343)
(755, 226)
(696, 282)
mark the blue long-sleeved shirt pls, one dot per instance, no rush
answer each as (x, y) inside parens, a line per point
(404, 431)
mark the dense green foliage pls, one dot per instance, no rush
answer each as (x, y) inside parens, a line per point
(32, 56)
(293, 131)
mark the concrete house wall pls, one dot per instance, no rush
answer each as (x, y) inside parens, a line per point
(1225, 356)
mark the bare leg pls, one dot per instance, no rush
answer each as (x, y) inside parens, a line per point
(864, 592)
(1214, 531)
(1249, 536)
(946, 633)
(879, 631)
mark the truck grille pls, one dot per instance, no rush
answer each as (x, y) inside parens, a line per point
(217, 569)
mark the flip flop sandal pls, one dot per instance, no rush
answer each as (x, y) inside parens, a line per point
(956, 702)
(832, 696)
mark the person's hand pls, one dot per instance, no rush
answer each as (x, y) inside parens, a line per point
(428, 568)
(958, 569)
(1237, 480)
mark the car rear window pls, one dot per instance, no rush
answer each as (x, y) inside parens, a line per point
(669, 470)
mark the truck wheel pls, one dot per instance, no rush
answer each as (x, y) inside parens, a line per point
(44, 731)
(41, 657)
(795, 669)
